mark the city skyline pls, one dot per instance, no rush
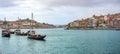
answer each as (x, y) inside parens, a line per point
(58, 12)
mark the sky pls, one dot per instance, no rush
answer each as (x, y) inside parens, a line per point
(57, 12)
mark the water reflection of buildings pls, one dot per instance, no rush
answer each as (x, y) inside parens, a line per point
(98, 22)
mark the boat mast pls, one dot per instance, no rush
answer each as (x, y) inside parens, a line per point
(5, 22)
(32, 21)
(18, 23)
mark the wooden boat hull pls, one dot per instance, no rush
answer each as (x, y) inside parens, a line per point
(18, 32)
(5, 34)
(21, 34)
(37, 37)
(11, 32)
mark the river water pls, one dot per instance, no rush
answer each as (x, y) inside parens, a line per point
(60, 41)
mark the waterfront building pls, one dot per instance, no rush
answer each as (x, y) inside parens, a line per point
(94, 22)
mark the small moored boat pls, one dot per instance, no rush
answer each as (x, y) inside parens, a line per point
(32, 35)
(18, 32)
(5, 33)
(37, 37)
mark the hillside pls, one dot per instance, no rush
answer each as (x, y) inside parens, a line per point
(24, 23)
(110, 21)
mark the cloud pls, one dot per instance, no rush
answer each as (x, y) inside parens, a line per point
(56, 3)
(6, 3)
(56, 11)
(83, 3)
